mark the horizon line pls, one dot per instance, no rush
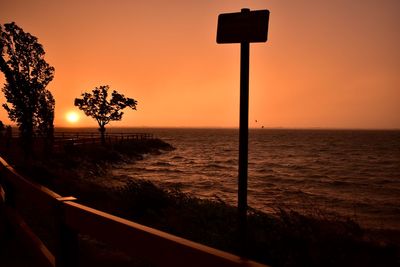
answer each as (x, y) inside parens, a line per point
(234, 128)
(230, 127)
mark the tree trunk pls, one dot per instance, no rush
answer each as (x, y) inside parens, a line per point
(26, 135)
(102, 130)
(49, 141)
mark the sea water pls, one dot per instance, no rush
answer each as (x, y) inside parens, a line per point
(354, 173)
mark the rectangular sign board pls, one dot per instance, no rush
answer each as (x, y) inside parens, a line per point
(246, 26)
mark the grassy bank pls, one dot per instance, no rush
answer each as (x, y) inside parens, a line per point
(288, 238)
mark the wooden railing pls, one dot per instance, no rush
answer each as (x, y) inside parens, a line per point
(145, 243)
(92, 135)
(82, 138)
(63, 139)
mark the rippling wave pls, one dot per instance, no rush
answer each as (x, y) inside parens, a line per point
(354, 173)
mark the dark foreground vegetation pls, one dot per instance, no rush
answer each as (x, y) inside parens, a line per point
(288, 238)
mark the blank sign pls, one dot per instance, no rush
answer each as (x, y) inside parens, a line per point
(246, 26)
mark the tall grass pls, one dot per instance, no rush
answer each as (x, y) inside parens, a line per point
(287, 238)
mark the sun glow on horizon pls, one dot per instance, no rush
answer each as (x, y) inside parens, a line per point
(72, 117)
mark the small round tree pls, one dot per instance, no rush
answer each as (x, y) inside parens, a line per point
(97, 106)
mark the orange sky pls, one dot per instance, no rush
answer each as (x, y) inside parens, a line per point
(326, 63)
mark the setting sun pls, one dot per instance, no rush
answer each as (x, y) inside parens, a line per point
(72, 117)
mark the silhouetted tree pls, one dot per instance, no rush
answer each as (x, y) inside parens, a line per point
(2, 128)
(97, 106)
(27, 75)
(45, 117)
(45, 114)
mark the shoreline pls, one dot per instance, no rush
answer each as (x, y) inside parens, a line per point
(200, 220)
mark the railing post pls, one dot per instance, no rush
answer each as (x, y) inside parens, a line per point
(4, 225)
(67, 239)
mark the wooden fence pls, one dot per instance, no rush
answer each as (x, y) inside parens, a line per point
(145, 243)
(62, 139)
(86, 138)
(92, 135)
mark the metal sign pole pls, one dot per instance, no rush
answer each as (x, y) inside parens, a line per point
(243, 139)
(243, 27)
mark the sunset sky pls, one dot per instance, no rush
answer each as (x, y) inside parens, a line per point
(328, 64)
